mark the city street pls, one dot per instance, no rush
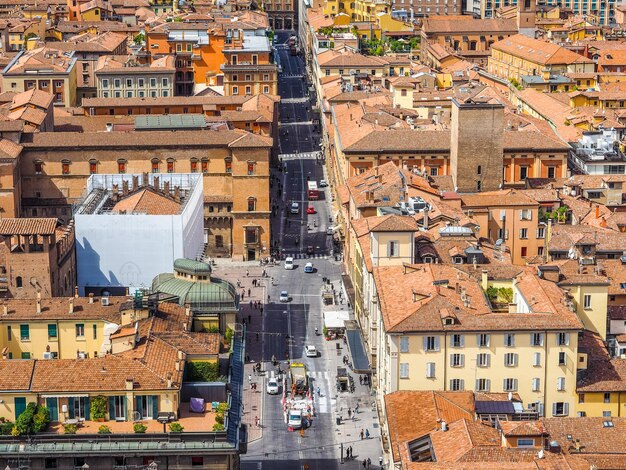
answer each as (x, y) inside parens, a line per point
(286, 327)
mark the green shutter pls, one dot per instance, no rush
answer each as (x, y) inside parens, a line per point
(70, 407)
(24, 332)
(138, 406)
(87, 408)
(52, 330)
(25, 355)
(53, 407)
(112, 408)
(20, 406)
(125, 408)
(155, 406)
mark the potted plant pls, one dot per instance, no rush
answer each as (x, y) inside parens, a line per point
(99, 408)
(70, 428)
(176, 427)
(104, 429)
(140, 428)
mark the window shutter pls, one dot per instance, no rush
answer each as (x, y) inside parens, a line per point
(461, 384)
(425, 343)
(515, 384)
(566, 409)
(70, 407)
(536, 384)
(478, 340)
(537, 359)
(488, 384)
(462, 341)
(567, 339)
(553, 409)
(430, 370)
(436, 343)
(112, 408)
(515, 360)
(488, 340)
(504, 385)
(452, 341)
(541, 339)
(506, 234)
(488, 359)
(87, 409)
(477, 386)
(138, 406)
(155, 406)
(512, 340)
(462, 360)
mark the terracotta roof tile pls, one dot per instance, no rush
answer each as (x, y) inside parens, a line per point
(538, 51)
(147, 201)
(16, 374)
(57, 308)
(28, 226)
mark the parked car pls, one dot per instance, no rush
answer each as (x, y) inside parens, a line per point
(310, 351)
(295, 208)
(311, 210)
(308, 268)
(323, 183)
(284, 296)
(289, 263)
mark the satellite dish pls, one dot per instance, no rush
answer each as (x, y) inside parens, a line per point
(499, 242)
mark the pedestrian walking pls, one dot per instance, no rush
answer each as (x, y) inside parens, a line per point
(367, 434)
(257, 337)
(361, 379)
(250, 380)
(349, 413)
(250, 303)
(369, 462)
(261, 308)
(361, 434)
(364, 463)
(243, 294)
(238, 283)
(249, 292)
(356, 408)
(253, 282)
(249, 318)
(247, 273)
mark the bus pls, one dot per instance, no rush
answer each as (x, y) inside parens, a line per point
(312, 191)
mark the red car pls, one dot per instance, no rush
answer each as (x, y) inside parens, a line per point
(310, 210)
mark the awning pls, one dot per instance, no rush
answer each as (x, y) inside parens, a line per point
(336, 318)
(360, 363)
(67, 395)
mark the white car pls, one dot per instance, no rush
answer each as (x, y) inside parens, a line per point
(323, 183)
(310, 351)
(284, 296)
(289, 263)
(294, 419)
(272, 386)
(308, 268)
(295, 208)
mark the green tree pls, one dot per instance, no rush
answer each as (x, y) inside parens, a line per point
(139, 39)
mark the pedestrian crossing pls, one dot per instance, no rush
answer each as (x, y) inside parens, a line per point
(297, 156)
(291, 75)
(323, 401)
(305, 256)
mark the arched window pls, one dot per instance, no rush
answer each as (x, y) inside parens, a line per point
(170, 165)
(121, 166)
(18, 282)
(93, 167)
(251, 204)
(155, 165)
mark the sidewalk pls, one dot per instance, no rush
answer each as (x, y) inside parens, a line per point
(245, 273)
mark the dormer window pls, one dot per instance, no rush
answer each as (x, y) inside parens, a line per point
(428, 260)
(448, 321)
(457, 260)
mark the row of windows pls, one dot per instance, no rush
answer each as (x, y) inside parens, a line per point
(248, 90)
(248, 78)
(510, 359)
(52, 463)
(52, 331)
(130, 82)
(140, 94)
(431, 343)
(194, 166)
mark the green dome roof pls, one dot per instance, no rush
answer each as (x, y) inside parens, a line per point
(189, 266)
(203, 297)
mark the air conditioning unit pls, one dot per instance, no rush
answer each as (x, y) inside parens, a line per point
(47, 355)
(104, 301)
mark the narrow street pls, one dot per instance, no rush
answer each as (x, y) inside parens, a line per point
(287, 327)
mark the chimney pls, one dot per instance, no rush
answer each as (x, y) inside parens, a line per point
(135, 182)
(187, 309)
(71, 309)
(91, 298)
(177, 193)
(166, 187)
(169, 381)
(38, 302)
(155, 183)
(444, 426)
(603, 223)
(177, 365)
(109, 126)
(5, 309)
(598, 211)
(115, 193)
(144, 179)
(425, 220)
(130, 384)
(184, 326)
(181, 355)
(76, 291)
(484, 279)
(124, 188)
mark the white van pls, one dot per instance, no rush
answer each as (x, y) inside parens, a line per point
(289, 263)
(295, 208)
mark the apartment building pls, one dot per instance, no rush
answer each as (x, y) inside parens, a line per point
(46, 69)
(519, 56)
(361, 10)
(248, 69)
(438, 330)
(88, 48)
(281, 14)
(123, 77)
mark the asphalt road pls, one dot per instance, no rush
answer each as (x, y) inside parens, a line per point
(288, 327)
